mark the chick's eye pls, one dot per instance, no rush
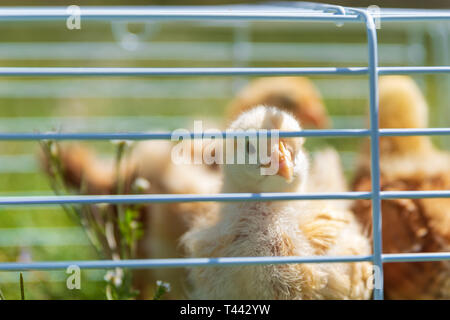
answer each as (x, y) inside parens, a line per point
(250, 148)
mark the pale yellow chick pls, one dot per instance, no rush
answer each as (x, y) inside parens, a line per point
(279, 228)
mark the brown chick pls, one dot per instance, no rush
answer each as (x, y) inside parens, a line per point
(78, 164)
(279, 228)
(84, 171)
(163, 223)
(409, 225)
(297, 95)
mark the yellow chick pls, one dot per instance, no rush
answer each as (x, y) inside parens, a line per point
(277, 228)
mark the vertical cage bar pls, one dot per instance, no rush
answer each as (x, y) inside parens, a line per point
(374, 153)
(375, 157)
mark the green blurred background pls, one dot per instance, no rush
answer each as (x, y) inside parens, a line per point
(138, 104)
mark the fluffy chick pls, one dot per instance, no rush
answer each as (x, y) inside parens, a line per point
(297, 95)
(285, 228)
(409, 164)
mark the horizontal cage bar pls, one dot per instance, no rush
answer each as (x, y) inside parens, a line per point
(175, 13)
(176, 263)
(221, 261)
(221, 197)
(255, 12)
(211, 71)
(332, 133)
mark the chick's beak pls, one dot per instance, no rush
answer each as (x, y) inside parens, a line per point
(285, 163)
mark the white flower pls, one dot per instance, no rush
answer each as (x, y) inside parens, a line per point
(141, 185)
(117, 281)
(134, 225)
(115, 277)
(52, 146)
(109, 276)
(54, 149)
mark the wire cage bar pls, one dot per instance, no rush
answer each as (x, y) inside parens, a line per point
(154, 72)
(267, 12)
(335, 133)
(205, 262)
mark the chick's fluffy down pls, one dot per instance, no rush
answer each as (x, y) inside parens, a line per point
(280, 230)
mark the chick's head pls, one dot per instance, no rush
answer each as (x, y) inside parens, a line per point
(266, 163)
(402, 105)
